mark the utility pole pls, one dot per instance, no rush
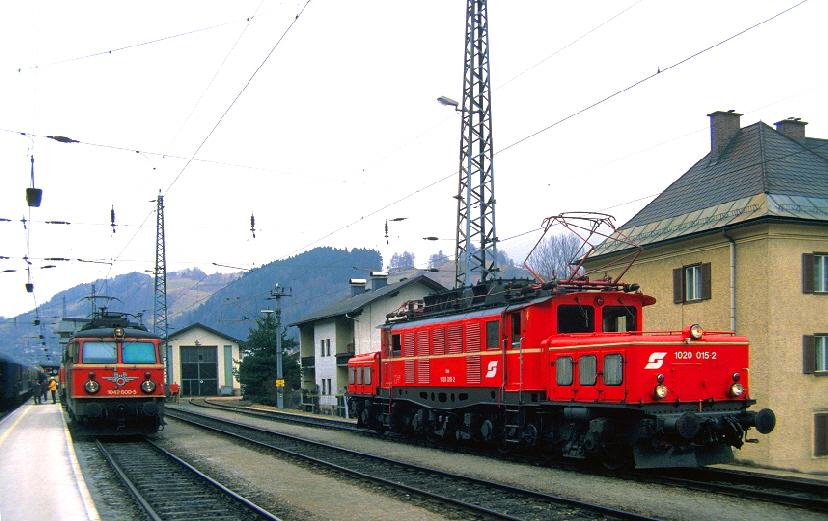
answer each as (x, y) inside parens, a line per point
(159, 311)
(276, 294)
(476, 186)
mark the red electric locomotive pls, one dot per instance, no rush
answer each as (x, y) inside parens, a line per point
(113, 377)
(562, 368)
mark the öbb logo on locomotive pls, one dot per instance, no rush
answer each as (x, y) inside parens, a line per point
(655, 361)
(559, 367)
(119, 379)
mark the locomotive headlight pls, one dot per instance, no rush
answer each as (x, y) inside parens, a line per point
(737, 390)
(91, 386)
(660, 391)
(696, 331)
(148, 386)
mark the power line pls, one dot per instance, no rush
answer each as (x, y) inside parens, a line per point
(232, 103)
(133, 46)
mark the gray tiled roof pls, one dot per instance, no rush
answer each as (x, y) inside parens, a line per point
(761, 173)
(350, 305)
(197, 325)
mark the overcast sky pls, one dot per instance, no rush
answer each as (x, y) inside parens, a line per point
(325, 125)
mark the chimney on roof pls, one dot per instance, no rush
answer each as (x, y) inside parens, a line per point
(379, 279)
(793, 128)
(357, 286)
(723, 126)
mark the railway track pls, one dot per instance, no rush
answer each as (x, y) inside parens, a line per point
(167, 488)
(808, 494)
(285, 417)
(477, 497)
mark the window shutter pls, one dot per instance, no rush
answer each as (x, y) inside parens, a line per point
(808, 354)
(705, 280)
(820, 434)
(678, 285)
(807, 273)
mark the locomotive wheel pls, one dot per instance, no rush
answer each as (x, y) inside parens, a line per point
(487, 431)
(418, 421)
(530, 435)
(365, 418)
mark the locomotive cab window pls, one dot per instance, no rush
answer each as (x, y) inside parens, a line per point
(366, 375)
(576, 319)
(352, 375)
(95, 352)
(563, 370)
(613, 369)
(71, 353)
(492, 334)
(515, 331)
(588, 369)
(619, 318)
(138, 353)
(396, 345)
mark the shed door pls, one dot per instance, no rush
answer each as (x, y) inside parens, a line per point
(199, 370)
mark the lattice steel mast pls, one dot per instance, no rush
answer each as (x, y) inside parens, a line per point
(159, 308)
(476, 187)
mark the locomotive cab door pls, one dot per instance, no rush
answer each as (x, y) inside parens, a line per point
(513, 352)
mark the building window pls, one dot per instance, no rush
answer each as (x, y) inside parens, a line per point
(815, 353)
(325, 347)
(821, 434)
(815, 272)
(691, 283)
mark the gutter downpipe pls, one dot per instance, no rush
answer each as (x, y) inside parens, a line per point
(732, 278)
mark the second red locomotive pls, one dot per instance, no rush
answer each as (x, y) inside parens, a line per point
(561, 368)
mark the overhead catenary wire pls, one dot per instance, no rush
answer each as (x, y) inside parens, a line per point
(232, 103)
(133, 46)
(454, 173)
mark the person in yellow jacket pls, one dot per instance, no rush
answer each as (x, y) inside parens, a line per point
(53, 387)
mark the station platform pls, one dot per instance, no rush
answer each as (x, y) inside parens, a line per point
(39, 473)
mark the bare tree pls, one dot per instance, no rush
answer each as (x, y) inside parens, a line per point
(554, 256)
(404, 260)
(436, 260)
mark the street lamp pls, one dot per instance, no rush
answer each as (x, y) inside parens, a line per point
(280, 381)
(448, 102)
